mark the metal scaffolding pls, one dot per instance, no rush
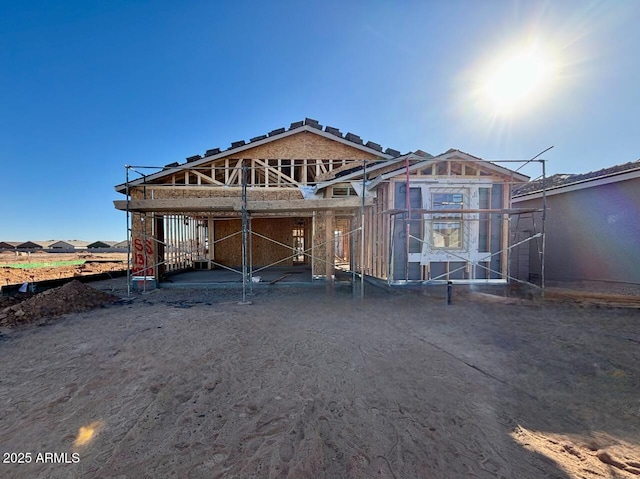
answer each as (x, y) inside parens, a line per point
(178, 256)
(182, 241)
(427, 215)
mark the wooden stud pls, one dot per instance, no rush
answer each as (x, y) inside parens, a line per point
(505, 234)
(329, 266)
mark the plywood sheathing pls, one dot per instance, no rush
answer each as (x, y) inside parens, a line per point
(318, 264)
(263, 251)
(329, 245)
(305, 145)
(301, 146)
(143, 246)
(257, 194)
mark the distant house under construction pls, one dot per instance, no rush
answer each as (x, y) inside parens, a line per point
(313, 197)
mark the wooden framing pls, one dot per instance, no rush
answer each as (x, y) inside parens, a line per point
(453, 171)
(210, 188)
(290, 180)
(232, 204)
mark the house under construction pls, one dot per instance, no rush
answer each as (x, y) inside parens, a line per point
(312, 198)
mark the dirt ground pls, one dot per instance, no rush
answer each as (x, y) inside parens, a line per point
(94, 263)
(311, 383)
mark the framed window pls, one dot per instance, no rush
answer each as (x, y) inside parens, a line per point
(447, 227)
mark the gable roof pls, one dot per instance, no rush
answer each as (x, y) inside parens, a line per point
(307, 125)
(562, 183)
(29, 245)
(63, 244)
(101, 244)
(420, 162)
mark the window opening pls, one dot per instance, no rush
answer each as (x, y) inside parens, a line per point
(446, 231)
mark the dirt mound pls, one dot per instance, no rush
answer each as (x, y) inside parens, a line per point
(7, 301)
(72, 297)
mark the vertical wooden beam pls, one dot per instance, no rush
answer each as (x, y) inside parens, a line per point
(369, 238)
(504, 266)
(313, 245)
(329, 252)
(280, 170)
(183, 240)
(386, 232)
(172, 237)
(375, 239)
(489, 219)
(160, 246)
(381, 236)
(266, 173)
(211, 238)
(176, 242)
(253, 173)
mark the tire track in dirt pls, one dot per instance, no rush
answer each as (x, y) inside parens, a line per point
(299, 387)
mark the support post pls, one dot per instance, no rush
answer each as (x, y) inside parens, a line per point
(390, 252)
(504, 242)
(352, 253)
(544, 220)
(210, 240)
(362, 238)
(250, 257)
(329, 246)
(407, 220)
(313, 246)
(244, 234)
(128, 234)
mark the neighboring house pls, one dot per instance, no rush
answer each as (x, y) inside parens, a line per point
(60, 245)
(68, 245)
(592, 226)
(29, 245)
(8, 245)
(299, 194)
(121, 244)
(101, 244)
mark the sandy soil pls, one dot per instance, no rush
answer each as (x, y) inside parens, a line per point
(314, 384)
(95, 263)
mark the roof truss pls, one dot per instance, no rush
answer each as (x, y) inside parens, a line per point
(201, 164)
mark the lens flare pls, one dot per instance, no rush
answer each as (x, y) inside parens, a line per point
(87, 433)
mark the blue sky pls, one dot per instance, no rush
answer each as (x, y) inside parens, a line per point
(89, 86)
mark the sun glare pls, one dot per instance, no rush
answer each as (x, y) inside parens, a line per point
(517, 80)
(87, 433)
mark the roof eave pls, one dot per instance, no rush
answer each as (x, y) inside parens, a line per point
(582, 184)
